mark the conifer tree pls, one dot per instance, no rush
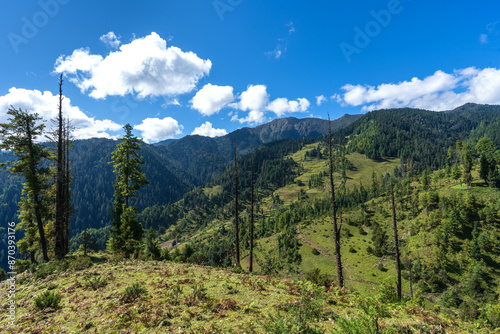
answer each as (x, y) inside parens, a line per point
(126, 231)
(19, 136)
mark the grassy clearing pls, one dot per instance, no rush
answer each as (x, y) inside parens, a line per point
(159, 297)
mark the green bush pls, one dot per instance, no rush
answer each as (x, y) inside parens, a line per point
(387, 292)
(165, 254)
(296, 317)
(450, 298)
(48, 299)
(54, 267)
(133, 292)
(97, 282)
(315, 251)
(24, 265)
(318, 278)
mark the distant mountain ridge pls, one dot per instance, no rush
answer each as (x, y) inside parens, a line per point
(206, 158)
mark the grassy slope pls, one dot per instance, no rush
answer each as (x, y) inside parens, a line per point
(226, 302)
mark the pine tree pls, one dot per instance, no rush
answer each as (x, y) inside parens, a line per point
(468, 162)
(126, 232)
(30, 242)
(87, 242)
(20, 137)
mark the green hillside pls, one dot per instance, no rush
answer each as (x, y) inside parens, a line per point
(112, 296)
(445, 173)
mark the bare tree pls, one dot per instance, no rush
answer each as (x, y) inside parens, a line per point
(236, 227)
(250, 267)
(336, 227)
(396, 242)
(60, 175)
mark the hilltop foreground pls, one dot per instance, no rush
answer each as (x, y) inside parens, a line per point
(157, 297)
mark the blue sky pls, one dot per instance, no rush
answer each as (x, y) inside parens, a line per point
(173, 68)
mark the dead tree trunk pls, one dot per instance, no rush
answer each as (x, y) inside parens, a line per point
(236, 227)
(336, 228)
(59, 223)
(250, 267)
(396, 242)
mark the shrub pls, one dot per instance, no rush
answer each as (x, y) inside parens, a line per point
(450, 298)
(97, 282)
(315, 251)
(318, 278)
(387, 292)
(24, 265)
(297, 316)
(48, 299)
(365, 322)
(133, 292)
(165, 254)
(80, 263)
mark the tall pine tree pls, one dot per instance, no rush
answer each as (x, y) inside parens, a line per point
(126, 232)
(19, 136)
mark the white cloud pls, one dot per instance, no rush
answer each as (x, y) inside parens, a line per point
(254, 117)
(282, 44)
(281, 106)
(440, 91)
(253, 100)
(492, 33)
(211, 99)
(111, 40)
(145, 67)
(320, 99)
(45, 104)
(208, 130)
(155, 129)
(170, 102)
(483, 39)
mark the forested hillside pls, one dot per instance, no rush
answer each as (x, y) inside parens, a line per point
(206, 158)
(418, 137)
(445, 168)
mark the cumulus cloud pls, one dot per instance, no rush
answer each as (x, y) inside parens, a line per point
(255, 100)
(145, 67)
(111, 40)
(440, 91)
(211, 99)
(281, 106)
(155, 129)
(208, 130)
(320, 99)
(45, 104)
